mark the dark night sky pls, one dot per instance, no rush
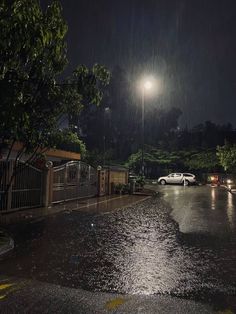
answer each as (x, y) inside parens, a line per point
(189, 44)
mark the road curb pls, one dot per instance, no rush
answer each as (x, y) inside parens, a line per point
(137, 202)
(127, 205)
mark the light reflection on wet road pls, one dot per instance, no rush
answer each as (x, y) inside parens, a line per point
(138, 249)
(202, 209)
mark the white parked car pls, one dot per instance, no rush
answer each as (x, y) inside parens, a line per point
(178, 178)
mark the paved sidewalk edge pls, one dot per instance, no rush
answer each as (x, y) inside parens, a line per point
(6, 243)
(29, 215)
(128, 205)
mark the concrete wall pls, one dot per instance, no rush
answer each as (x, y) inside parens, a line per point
(117, 177)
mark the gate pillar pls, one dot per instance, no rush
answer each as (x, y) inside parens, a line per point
(48, 185)
(101, 182)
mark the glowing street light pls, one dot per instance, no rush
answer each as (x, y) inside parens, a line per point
(147, 85)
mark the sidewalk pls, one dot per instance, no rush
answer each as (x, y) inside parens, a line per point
(96, 204)
(99, 205)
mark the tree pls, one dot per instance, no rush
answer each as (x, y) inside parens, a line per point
(112, 119)
(161, 126)
(157, 160)
(227, 156)
(122, 126)
(125, 115)
(203, 161)
(32, 55)
(90, 85)
(67, 140)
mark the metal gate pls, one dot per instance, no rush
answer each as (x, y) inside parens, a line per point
(73, 180)
(25, 190)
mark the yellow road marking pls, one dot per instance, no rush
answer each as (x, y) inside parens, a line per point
(114, 304)
(227, 311)
(6, 286)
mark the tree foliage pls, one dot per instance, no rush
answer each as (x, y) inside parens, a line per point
(154, 157)
(33, 103)
(227, 156)
(32, 54)
(67, 140)
(121, 126)
(203, 161)
(159, 161)
(89, 84)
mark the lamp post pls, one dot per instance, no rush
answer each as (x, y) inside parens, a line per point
(146, 86)
(106, 112)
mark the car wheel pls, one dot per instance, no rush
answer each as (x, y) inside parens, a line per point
(162, 182)
(186, 182)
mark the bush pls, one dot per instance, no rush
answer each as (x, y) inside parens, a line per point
(68, 140)
(140, 181)
(121, 188)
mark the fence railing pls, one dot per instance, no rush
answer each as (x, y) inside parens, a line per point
(73, 180)
(24, 190)
(31, 187)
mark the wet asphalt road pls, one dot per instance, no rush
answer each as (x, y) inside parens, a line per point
(202, 210)
(181, 244)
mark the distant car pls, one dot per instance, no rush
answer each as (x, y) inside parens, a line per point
(178, 178)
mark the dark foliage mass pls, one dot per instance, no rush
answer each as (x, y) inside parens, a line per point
(114, 129)
(116, 124)
(34, 102)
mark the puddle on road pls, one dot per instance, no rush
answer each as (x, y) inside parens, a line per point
(136, 250)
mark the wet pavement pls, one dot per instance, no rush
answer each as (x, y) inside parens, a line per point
(202, 210)
(94, 204)
(30, 296)
(37, 297)
(182, 244)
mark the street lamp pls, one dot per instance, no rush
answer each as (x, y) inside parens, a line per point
(106, 113)
(146, 86)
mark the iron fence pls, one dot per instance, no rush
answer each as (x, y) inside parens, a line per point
(73, 180)
(24, 190)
